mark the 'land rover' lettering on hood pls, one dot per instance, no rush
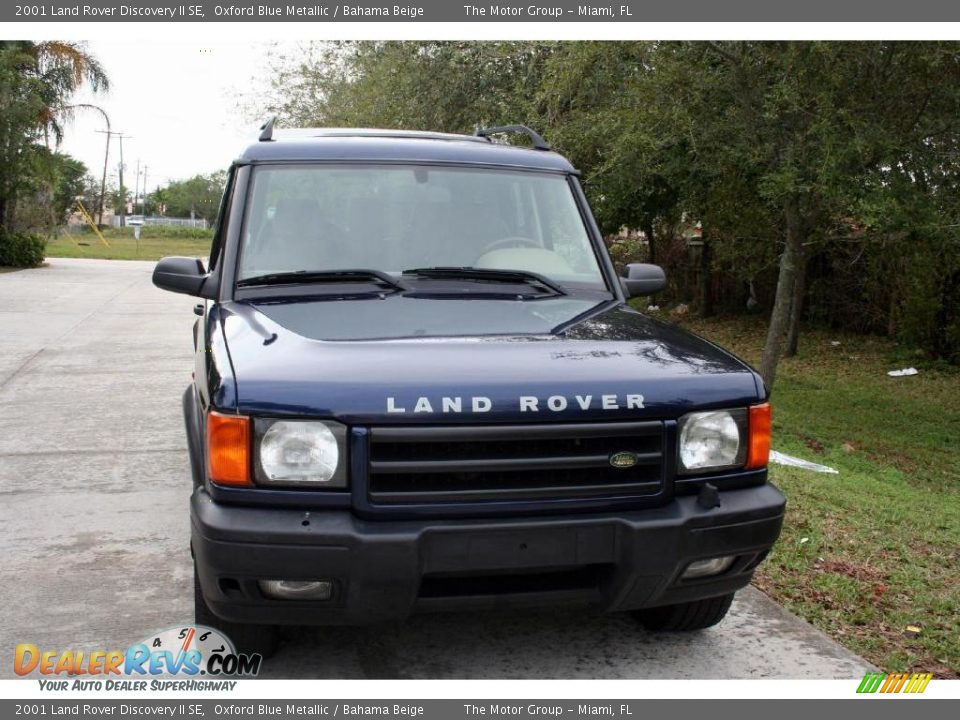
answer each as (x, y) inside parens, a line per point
(526, 403)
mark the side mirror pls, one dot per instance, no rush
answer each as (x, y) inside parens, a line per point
(643, 279)
(185, 275)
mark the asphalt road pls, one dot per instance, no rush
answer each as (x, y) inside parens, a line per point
(94, 515)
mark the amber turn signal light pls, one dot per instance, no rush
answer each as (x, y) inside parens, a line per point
(758, 427)
(228, 449)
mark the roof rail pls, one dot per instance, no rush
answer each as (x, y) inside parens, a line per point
(266, 130)
(538, 142)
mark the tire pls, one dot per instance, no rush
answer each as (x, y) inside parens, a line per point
(247, 638)
(684, 617)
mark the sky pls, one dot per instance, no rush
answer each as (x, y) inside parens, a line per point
(177, 102)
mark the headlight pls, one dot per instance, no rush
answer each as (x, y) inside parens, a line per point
(712, 440)
(301, 453)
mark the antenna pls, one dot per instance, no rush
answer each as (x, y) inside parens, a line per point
(266, 134)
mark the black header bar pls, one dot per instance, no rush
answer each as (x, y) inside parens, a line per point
(507, 11)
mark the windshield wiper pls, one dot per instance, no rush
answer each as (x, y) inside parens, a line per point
(516, 277)
(307, 277)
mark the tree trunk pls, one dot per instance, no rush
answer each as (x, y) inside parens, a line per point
(780, 317)
(796, 305)
(706, 301)
(652, 255)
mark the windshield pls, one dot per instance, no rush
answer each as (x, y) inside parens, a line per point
(390, 219)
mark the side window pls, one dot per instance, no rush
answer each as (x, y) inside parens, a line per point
(218, 226)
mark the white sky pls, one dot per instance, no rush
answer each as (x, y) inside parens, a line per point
(178, 102)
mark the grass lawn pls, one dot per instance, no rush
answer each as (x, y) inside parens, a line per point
(876, 548)
(126, 248)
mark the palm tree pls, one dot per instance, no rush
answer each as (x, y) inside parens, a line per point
(37, 80)
(61, 68)
(65, 67)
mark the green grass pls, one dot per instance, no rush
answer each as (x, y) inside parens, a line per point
(867, 552)
(126, 248)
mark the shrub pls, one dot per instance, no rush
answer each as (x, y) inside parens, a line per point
(162, 232)
(22, 249)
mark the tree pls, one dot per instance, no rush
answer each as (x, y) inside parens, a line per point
(55, 182)
(157, 201)
(785, 133)
(21, 104)
(784, 152)
(444, 86)
(198, 196)
(36, 83)
(62, 68)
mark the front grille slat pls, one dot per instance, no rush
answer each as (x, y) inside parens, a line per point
(498, 464)
(450, 464)
(591, 491)
(477, 433)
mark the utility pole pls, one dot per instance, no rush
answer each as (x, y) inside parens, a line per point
(103, 180)
(144, 192)
(106, 156)
(136, 188)
(123, 200)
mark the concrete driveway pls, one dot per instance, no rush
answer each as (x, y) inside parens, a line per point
(93, 502)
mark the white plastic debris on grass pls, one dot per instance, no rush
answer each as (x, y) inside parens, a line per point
(903, 373)
(781, 459)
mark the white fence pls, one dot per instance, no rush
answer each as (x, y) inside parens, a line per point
(167, 221)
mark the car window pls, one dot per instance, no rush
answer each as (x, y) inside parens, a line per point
(219, 221)
(392, 218)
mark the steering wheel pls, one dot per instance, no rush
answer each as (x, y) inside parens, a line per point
(512, 241)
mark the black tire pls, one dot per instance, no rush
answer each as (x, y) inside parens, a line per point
(683, 617)
(247, 639)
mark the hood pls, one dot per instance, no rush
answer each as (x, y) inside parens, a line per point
(482, 360)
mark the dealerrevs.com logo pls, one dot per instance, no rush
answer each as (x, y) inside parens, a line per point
(186, 652)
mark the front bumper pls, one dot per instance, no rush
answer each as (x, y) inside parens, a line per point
(386, 570)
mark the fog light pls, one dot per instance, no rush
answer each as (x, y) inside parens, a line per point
(297, 589)
(711, 566)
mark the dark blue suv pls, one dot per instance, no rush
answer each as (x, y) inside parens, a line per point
(419, 386)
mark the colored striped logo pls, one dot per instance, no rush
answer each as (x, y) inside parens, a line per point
(894, 683)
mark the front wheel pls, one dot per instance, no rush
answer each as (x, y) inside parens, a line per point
(247, 639)
(683, 617)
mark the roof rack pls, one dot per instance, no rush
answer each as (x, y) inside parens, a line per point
(266, 130)
(538, 142)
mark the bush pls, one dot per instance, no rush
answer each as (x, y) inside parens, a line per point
(162, 232)
(22, 249)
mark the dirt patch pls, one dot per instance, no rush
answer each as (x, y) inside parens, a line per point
(852, 570)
